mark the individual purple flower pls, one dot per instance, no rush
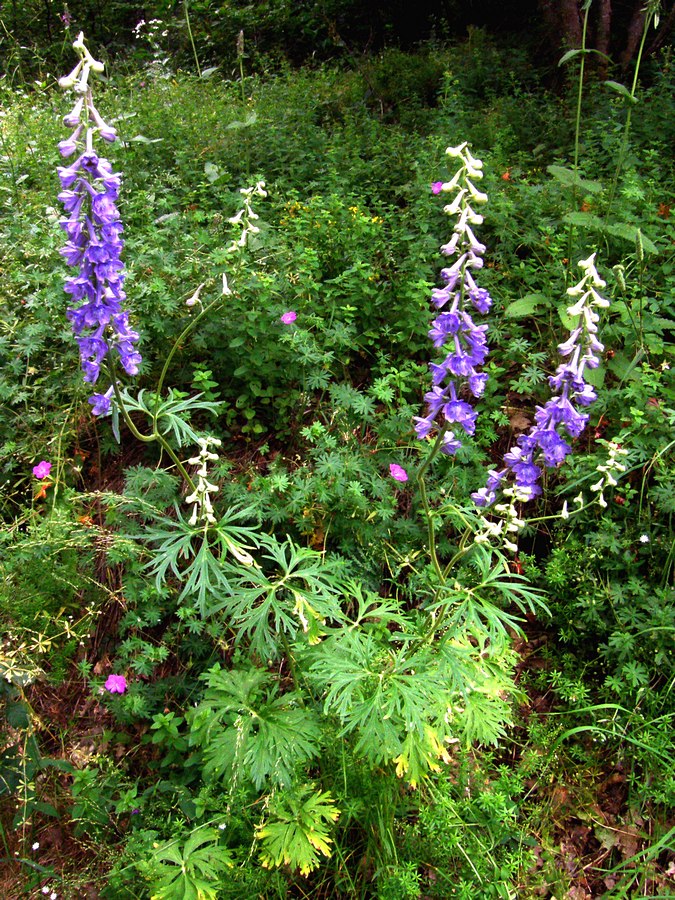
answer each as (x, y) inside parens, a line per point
(115, 684)
(560, 416)
(454, 328)
(94, 244)
(398, 473)
(42, 469)
(289, 317)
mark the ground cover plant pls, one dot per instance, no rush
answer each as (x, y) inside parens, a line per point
(334, 565)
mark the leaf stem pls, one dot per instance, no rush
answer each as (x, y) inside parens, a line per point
(148, 438)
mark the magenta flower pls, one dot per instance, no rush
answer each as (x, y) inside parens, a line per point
(115, 684)
(289, 317)
(436, 187)
(42, 469)
(398, 473)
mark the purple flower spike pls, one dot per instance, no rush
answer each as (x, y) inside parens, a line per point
(560, 415)
(454, 328)
(94, 245)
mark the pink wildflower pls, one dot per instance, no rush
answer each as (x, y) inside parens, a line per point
(398, 473)
(289, 317)
(115, 684)
(42, 469)
(436, 187)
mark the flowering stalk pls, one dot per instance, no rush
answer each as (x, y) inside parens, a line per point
(203, 508)
(545, 443)
(89, 193)
(246, 216)
(454, 326)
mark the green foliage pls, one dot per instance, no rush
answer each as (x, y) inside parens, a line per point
(245, 728)
(207, 570)
(189, 870)
(296, 595)
(295, 832)
(299, 672)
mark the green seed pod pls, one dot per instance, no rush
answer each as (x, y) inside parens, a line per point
(639, 249)
(619, 275)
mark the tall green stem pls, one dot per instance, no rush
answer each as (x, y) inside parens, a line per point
(192, 40)
(177, 343)
(626, 128)
(148, 438)
(577, 130)
(427, 509)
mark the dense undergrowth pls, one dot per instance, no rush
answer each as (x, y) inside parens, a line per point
(309, 703)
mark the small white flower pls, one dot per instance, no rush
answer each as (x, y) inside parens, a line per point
(194, 299)
(456, 151)
(644, 538)
(564, 512)
(476, 195)
(452, 208)
(36, 846)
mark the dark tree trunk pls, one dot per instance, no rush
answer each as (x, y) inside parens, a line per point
(634, 34)
(602, 34)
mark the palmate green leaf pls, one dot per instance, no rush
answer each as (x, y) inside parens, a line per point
(190, 871)
(243, 727)
(403, 696)
(483, 600)
(296, 832)
(293, 591)
(371, 608)
(170, 412)
(202, 559)
(392, 700)
(495, 576)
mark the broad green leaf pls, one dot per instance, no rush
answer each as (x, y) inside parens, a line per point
(525, 306)
(621, 89)
(583, 220)
(618, 229)
(212, 172)
(630, 233)
(571, 54)
(570, 178)
(248, 121)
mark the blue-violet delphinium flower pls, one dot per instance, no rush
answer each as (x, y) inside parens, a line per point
(89, 193)
(561, 416)
(454, 328)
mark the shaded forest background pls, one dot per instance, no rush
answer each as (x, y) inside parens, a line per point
(35, 35)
